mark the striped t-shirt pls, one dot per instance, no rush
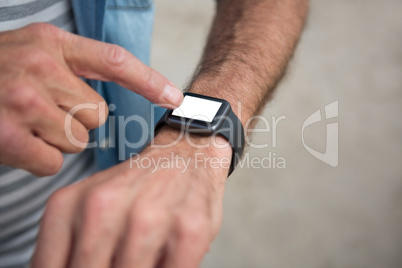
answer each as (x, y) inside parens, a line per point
(23, 196)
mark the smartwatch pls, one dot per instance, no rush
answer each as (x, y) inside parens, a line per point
(207, 116)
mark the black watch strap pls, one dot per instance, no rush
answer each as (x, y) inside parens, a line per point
(232, 130)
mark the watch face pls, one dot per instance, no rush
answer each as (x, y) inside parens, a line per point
(199, 114)
(197, 108)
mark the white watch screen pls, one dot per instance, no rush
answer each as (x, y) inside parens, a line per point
(197, 108)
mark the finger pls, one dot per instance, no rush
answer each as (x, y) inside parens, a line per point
(58, 128)
(184, 253)
(150, 222)
(144, 240)
(192, 234)
(53, 78)
(77, 98)
(101, 225)
(55, 235)
(97, 60)
(21, 149)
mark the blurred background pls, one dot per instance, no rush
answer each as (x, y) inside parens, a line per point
(310, 214)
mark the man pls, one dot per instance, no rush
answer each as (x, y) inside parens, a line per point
(123, 216)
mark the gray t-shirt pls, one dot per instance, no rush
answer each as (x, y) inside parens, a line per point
(23, 196)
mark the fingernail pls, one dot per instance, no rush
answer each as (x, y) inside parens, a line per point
(172, 95)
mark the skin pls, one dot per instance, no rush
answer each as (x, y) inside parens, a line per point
(133, 217)
(42, 84)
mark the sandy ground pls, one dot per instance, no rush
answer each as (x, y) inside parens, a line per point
(310, 214)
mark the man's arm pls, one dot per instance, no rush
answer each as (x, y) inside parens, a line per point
(164, 207)
(248, 49)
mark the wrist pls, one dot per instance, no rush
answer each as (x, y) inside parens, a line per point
(188, 144)
(174, 151)
(207, 84)
(210, 155)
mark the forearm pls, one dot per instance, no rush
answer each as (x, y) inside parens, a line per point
(173, 210)
(249, 46)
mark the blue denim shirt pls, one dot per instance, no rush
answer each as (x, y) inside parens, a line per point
(127, 23)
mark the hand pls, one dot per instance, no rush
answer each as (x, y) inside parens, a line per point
(40, 66)
(137, 217)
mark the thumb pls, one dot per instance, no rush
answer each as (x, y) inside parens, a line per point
(102, 61)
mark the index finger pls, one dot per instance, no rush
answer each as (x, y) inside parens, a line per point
(102, 61)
